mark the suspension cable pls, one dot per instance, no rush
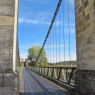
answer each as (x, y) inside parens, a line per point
(54, 17)
(59, 35)
(63, 31)
(69, 32)
(50, 47)
(53, 45)
(47, 50)
(56, 40)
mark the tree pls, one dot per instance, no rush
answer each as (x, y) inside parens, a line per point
(33, 55)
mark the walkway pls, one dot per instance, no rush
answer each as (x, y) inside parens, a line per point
(35, 84)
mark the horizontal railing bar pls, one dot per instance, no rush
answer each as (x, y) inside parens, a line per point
(60, 67)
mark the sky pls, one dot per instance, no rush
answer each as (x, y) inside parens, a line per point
(34, 21)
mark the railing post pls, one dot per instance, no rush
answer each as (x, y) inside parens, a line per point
(48, 71)
(63, 73)
(55, 75)
(52, 72)
(71, 75)
(59, 73)
(44, 71)
(41, 71)
(67, 78)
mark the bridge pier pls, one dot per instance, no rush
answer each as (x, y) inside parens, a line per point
(8, 45)
(26, 62)
(85, 41)
(22, 64)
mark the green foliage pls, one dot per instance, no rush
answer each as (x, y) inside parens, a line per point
(67, 63)
(33, 55)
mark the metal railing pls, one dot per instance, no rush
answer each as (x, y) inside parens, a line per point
(62, 74)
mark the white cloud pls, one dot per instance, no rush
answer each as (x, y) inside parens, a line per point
(23, 20)
(37, 18)
(40, 21)
(32, 21)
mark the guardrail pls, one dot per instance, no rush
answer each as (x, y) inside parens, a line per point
(61, 74)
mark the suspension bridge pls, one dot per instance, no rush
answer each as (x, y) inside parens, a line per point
(65, 80)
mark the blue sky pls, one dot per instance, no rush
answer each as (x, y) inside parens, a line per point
(35, 17)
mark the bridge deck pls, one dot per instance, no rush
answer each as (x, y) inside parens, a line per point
(35, 84)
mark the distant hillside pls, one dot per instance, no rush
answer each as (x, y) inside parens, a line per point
(65, 63)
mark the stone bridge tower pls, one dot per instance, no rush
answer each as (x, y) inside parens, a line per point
(85, 41)
(26, 62)
(8, 45)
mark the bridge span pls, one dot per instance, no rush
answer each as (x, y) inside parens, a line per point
(34, 84)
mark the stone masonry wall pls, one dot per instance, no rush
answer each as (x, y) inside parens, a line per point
(8, 78)
(85, 41)
(85, 33)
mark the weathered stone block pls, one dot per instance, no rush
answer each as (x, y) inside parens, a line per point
(10, 3)
(89, 40)
(81, 22)
(82, 1)
(89, 49)
(81, 58)
(78, 18)
(93, 30)
(6, 42)
(7, 33)
(84, 27)
(84, 82)
(7, 66)
(9, 90)
(80, 9)
(6, 54)
(1, 67)
(90, 7)
(86, 3)
(79, 30)
(91, 57)
(7, 11)
(7, 27)
(87, 17)
(83, 13)
(88, 24)
(10, 79)
(81, 36)
(77, 5)
(0, 79)
(6, 20)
